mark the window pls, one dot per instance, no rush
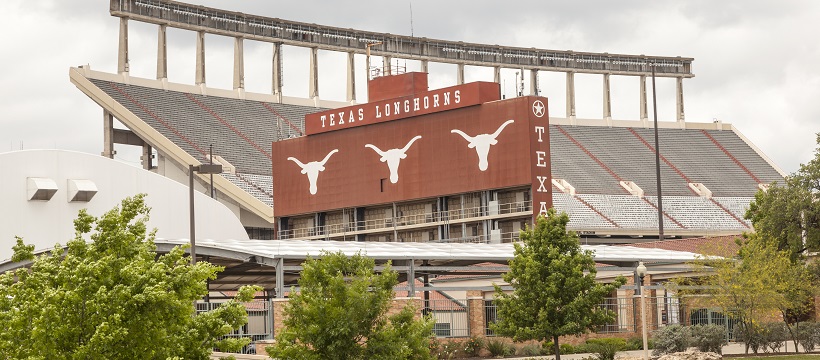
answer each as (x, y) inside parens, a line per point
(441, 329)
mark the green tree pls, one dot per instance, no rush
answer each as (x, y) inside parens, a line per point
(113, 297)
(341, 313)
(555, 293)
(759, 284)
(790, 213)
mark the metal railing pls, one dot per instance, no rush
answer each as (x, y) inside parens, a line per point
(259, 326)
(408, 220)
(227, 23)
(450, 315)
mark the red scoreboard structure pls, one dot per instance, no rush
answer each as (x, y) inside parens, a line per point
(400, 167)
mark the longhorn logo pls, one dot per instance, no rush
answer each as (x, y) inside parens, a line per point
(313, 168)
(393, 157)
(482, 143)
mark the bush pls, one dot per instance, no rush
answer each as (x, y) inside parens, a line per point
(808, 335)
(547, 348)
(773, 335)
(606, 348)
(499, 348)
(448, 350)
(670, 339)
(473, 346)
(529, 350)
(708, 338)
(636, 343)
(750, 335)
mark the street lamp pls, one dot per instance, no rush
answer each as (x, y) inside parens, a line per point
(202, 169)
(641, 271)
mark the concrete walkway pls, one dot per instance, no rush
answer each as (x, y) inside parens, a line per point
(731, 349)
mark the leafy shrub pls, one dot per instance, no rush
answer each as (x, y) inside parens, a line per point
(708, 338)
(547, 348)
(448, 350)
(606, 348)
(499, 348)
(750, 335)
(773, 335)
(670, 339)
(529, 350)
(808, 335)
(473, 346)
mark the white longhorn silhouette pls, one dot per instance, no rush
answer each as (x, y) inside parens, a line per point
(482, 143)
(393, 157)
(313, 168)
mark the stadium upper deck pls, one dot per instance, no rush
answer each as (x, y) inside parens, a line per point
(593, 167)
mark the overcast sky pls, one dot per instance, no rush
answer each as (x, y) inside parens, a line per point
(757, 63)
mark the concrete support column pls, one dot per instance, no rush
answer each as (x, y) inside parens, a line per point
(162, 53)
(425, 66)
(122, 54)
(607, 99)
(351, 77)
(497, 74)
(534, 90)
(146, 158)
(475, 313)
(313, 89)
(238, 64)
(200, 58)
(679, 100)
(108, 135)
(644, 112)
(277, 70)
(388, 69)
(460, 73)
(570, 94)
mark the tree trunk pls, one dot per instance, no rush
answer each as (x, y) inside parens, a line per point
(557, 348)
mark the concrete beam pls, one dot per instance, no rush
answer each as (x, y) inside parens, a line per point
(238, 64)
(351, 77)
(122, 54)
(570, 95)
(277, 70)
(387, 68)
(126, 137)
(534, 90)
(313, 86)
(425, 66)
(162, 53)
(497, 74)
(607, 98)
(459, 73)
(679, 100)
(147, 157)
(108, 135)
(200, 58)
(643, 111)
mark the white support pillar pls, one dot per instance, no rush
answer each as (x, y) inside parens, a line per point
(313, 90)
(497, 74)
(200, 58)
(277, 70)
(108, 135)
(534, 90)
(570, 95)
(607, 99)
(425, 66)
(162, 53)
(351, 78)
(146, 158)
(644, 112)
(122, 54)
(388, 69)
(460, 73)
(238, 64)
(679, 101)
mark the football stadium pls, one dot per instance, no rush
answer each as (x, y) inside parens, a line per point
(439, 181)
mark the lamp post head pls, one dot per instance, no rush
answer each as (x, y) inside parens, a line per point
(641, 270)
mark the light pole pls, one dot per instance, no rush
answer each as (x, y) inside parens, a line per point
(202, 169)
(641, 270)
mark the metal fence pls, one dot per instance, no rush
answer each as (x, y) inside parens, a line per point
(259, 326)
(451, 317)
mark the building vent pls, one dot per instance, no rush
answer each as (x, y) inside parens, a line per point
(701, 190)
(632, 187)
(81, 190)
(564, 186)
(40, 189)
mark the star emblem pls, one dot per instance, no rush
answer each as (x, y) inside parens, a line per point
(538, 108)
